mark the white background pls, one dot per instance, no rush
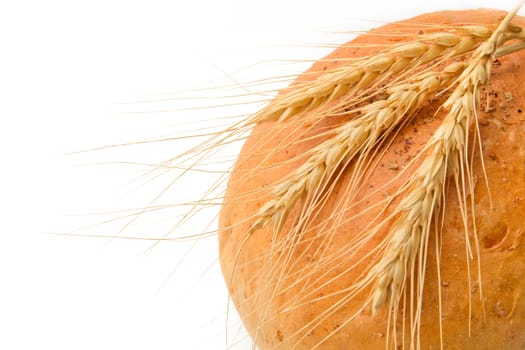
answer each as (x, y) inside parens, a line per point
(65, 66)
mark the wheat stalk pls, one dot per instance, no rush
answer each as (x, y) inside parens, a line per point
(361, 73)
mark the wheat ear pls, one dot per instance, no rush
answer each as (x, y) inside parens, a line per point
(358, 135)
(361, 73)
(447, 155)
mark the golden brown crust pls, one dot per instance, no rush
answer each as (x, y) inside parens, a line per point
(500, 228)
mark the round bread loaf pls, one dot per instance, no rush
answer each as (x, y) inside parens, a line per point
(293, 290)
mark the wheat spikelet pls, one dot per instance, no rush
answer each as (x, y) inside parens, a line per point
(363, 72)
